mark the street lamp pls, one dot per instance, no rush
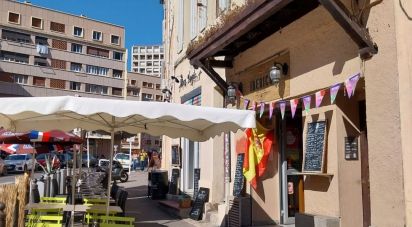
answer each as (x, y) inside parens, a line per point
(276, 72)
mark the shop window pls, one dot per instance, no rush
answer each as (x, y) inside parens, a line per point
(39, 81)
(57, 27)
(14, 18)
(37, 23)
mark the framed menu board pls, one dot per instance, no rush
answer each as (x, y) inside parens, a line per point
(315, 146)
(176, 155)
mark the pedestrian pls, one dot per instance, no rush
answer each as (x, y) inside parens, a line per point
(134, 161)
(142, 158)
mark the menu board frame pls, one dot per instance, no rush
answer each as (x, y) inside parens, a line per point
(176, 155)
(322, 168)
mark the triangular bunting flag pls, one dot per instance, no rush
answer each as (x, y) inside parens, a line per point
(293, 105)
(262, 109)
(271, 107)
(282, 106)
(350, 85)
(333, 92)
(246, 103)
(306, 102)
(319, 97)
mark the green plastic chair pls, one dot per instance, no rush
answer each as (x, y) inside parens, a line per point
(94, 201)
(34, 220)
(46, 211)
(110, 221)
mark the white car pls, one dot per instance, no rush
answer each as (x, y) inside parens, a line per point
(19, 162)
(124, 159)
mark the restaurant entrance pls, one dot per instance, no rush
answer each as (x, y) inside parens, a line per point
(291, 156)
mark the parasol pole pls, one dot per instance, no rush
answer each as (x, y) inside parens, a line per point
(88, 151)
(73, 182)
(32, 171)
(110, 166)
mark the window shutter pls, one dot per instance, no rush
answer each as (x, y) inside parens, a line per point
(180, 15)
(202, 9)
(193, 18)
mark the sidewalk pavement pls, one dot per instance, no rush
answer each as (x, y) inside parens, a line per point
(145, 210)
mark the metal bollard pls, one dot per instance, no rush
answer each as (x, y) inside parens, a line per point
(59, 176)
(62, 186)
(52, 194)
(2, 215)
(47, 184)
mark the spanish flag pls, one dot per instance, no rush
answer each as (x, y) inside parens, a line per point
(259, 144)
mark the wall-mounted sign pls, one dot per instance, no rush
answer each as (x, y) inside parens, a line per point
(176, 155)
(239, 179)
(351, 148)
(315, 147)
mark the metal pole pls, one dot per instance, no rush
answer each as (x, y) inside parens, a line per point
(130, 155)
(73, 182)
(110, 167)
(88, 151)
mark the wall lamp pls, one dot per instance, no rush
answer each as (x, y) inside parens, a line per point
(276, 72)
(167, 94)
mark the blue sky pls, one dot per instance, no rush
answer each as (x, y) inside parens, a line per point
(142, 19)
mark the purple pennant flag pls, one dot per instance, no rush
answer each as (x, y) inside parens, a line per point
(293, 106)
(306, 103)
(282, 106)
(319, 97)
(333, 92)
(246, 103)
(271, 105)
(262, 109)
(350, 84)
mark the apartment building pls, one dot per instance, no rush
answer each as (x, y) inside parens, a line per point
(147, 60)
(45, 52)
(141, 87)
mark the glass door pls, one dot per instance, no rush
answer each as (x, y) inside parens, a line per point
(291, 156)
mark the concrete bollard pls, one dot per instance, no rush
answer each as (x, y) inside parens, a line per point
(2, 215)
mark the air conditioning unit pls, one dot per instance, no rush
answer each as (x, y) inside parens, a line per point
(239, 213)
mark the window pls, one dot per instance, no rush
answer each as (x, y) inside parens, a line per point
(77, 48)
(14, 18)
(147, 97)
(14, 57)
(39, 81)
(59, 44)
(222, 6)
(202, 15)
(75, 86)
(97, 36)
(117, 73)
(117, 55)
(60, 84)
(117, 91)
(96, 70)
(20, 79)
(159, 98)
(78, 31)
(15, 36)
(115, 39)
(97, 89)
(148, 142)
(40, 61)
(144, 84)
(135, 93)
(75, 67)
(157, 142)
(193, 19)
(157, 86)
(57, 27)
(98, 52)
(41, 40)
(37, 23)
(58, 64)
(180, 21)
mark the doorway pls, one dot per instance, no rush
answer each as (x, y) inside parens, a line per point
(290, 135)
(191, 161)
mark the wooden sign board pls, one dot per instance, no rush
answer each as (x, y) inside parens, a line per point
(314, 153)
(239, 179)
(174, 181)
(196, 178)
(197, 208)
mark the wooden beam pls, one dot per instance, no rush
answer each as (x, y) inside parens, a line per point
(221, 64)
(205, 65)
(358, 34)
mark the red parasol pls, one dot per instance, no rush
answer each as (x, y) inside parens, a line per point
(53, 136)
(25, 148)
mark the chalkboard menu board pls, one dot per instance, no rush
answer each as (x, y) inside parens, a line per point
(315, 147)
(197, 208)
(175, 155)
(351, 148)
(174, 180)
(238, 183)
(196, 178)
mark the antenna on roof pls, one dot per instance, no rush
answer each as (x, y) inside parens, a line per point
(82, 15)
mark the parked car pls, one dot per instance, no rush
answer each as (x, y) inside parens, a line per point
(19, 162)
(41, 159)
(124, 159)
(93, 160)
(3, 168)
(66, 159)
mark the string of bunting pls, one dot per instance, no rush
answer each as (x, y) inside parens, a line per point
(349, 90)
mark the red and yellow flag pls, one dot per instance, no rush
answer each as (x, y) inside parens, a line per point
(259, 145)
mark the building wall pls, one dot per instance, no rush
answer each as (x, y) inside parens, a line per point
(141, 82)
(147, 60)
